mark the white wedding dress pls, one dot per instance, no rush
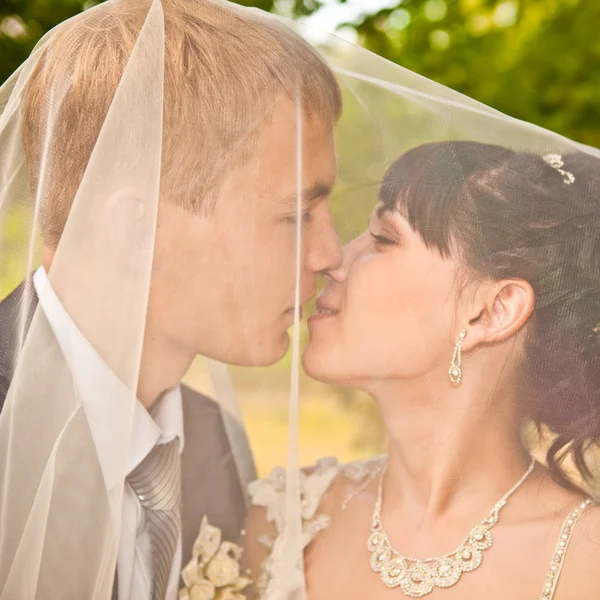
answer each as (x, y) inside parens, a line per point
(269, 493)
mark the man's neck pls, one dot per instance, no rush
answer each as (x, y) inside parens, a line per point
(96, 307)
(162, 367)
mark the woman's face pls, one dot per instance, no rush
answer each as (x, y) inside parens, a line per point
(388, 312)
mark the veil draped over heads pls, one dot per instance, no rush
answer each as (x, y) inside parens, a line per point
(174, 183)
(150, 177)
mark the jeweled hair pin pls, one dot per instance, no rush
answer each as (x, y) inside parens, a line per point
(556, 162)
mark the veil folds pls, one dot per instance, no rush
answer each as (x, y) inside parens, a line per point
(88, 158)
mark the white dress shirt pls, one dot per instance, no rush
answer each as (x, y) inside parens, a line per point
(97, 385)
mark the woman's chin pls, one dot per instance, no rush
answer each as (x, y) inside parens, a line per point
(319, 364)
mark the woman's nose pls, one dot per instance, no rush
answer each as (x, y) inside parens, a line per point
(350, 252)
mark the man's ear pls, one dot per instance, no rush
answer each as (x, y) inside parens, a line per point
(500, 310)
(131, 225)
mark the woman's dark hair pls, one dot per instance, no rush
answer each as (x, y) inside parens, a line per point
(511, 215)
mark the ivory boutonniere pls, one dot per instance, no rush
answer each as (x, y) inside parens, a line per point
(214, 571)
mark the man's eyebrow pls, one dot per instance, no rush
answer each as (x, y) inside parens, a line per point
(319, 190)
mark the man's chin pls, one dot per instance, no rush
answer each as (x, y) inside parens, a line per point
(275, 352)
(265, 354)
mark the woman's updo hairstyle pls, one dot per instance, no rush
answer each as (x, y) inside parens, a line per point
(514, 215)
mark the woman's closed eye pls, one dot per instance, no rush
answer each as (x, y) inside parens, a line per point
(382, 240)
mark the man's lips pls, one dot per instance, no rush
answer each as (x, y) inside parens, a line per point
(290, 311)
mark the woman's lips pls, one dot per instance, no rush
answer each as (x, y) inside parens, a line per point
(323, 311)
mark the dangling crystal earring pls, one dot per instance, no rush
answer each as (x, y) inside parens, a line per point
(455, 372)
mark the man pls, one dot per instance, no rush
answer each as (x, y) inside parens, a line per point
(244, 98)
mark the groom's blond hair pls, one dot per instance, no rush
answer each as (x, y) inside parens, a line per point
(225, 67)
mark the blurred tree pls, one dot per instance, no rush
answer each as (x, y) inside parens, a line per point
(23, 22)
(533, 59)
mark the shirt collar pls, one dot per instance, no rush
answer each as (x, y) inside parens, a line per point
(105, 398)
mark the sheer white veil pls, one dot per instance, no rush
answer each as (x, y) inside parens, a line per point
(92, 130)
(60, 510)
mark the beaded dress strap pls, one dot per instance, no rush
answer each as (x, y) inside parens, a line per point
(560, 552)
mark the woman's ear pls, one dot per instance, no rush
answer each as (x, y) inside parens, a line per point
(501, 308)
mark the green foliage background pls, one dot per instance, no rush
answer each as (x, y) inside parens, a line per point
(536, 60)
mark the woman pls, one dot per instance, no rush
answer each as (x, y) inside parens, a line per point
(469, 307)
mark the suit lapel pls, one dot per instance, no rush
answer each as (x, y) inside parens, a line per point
(211, 485)
(12, 322)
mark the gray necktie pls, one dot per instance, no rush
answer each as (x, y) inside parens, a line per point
(157, 483)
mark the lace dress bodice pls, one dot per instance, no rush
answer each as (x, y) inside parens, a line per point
(269, 493)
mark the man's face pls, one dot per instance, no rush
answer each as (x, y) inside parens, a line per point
(224, 285)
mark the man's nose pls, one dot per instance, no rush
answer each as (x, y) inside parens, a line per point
(323, 248)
